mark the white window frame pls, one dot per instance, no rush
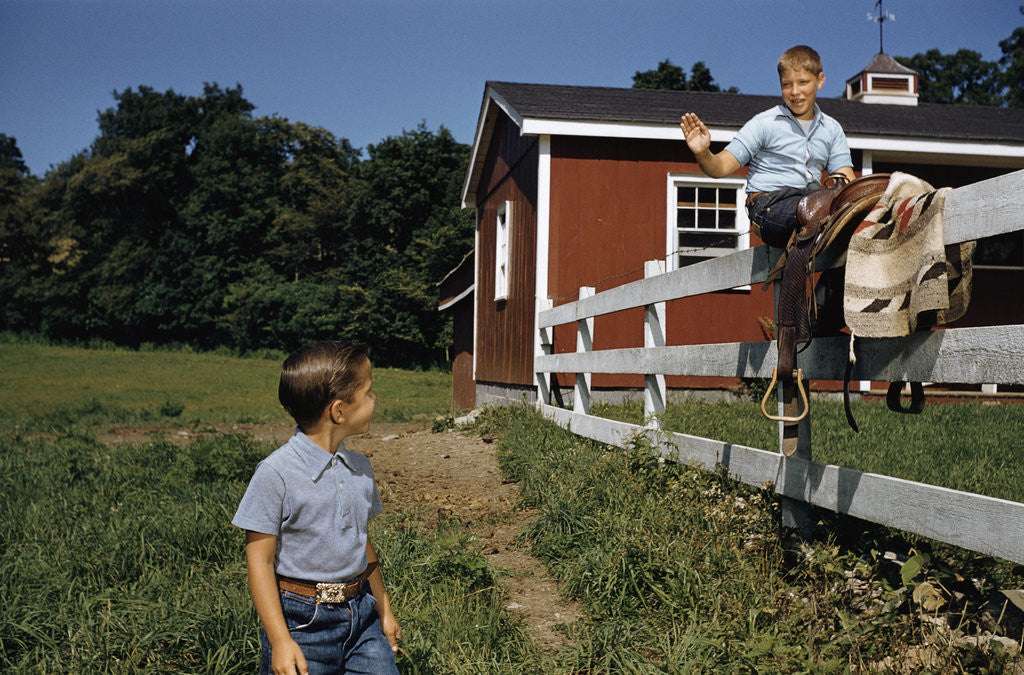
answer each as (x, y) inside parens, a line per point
(741, 227)
(503, 251)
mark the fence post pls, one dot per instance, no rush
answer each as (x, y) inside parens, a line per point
(584, 343)
(654, 336)
(543, 345)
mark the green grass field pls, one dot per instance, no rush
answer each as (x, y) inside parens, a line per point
(122, 558)
(687, 571)
(44, 386)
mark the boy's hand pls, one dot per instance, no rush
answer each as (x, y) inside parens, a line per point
(698, 138)
(287, 659)
(392, 631)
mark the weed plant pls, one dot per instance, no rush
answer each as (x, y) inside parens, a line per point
(687, 571)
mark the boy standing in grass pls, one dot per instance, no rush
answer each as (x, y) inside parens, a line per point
(306, 512)
(787, 147)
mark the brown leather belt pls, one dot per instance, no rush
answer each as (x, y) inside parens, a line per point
(326, 592)
(752, 195)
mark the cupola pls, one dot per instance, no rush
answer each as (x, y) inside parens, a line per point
(883, 81)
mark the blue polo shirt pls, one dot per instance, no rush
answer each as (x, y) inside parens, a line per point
(318, 506)
(781, 154)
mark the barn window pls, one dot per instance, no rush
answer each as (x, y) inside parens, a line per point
(706, 218)
(502, 251)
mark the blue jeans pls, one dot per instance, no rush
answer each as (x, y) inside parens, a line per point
(337, 637)
(774, 213)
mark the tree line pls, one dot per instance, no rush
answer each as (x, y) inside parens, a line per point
(189, 220)
(963, 77)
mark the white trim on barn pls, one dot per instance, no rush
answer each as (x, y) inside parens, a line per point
(985, 151)
(476, 284)
(541, 269)
(445, 305)
(484, 127)
(660, 132)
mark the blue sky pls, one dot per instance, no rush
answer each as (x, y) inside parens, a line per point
(372, 69)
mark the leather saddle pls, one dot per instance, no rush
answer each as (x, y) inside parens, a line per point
(822, 216)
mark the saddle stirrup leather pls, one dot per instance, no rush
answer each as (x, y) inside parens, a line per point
(821, 215)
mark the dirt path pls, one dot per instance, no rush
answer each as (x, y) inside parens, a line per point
(450, 474)
(456, 474)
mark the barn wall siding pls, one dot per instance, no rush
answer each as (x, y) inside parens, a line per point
(504, 348)
(608, 217)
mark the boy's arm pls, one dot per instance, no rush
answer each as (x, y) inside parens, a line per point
(388, 623)
(286, 656)
(848, 172)
(698, 139)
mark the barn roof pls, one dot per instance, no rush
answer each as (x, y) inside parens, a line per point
(653, 106)
(926, 128)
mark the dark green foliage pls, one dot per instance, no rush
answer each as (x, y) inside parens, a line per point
(963, 77)
(670, 76)
(190, 221)
(1012, 62)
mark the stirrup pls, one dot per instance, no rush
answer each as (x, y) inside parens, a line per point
(892, 397)
(799, 387)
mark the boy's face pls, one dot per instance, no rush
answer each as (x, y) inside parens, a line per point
(359, 411)
(799, 90)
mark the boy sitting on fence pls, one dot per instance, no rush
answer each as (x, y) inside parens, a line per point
(787, 147)
(305, 513)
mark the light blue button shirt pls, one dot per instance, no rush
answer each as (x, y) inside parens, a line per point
(318, 506)
(781, 154)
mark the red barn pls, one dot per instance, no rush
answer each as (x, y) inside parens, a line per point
(579, 186)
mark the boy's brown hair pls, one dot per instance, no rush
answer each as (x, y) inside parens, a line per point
(800, 57)
(317, 374)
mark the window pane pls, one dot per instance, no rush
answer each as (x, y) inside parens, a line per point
(726, 219)
(686, 196)
(707, 219)
(706, 240)
(707, 197)
(686, 218)
(685, 260)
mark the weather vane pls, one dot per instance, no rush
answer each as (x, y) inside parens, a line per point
(880, 19)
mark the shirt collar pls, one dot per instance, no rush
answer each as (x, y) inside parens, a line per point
(786, 112)
(313, 457)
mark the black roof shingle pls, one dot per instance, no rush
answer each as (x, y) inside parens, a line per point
(653, 106)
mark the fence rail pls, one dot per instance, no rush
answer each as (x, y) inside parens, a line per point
(953, 356)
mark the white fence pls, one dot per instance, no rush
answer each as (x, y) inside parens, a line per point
(967, 355)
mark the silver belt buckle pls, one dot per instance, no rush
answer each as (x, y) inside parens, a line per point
(330, 593)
